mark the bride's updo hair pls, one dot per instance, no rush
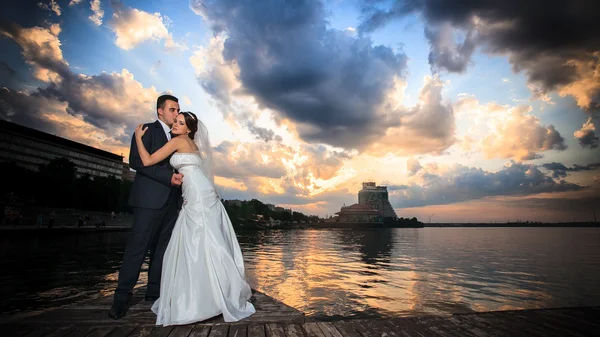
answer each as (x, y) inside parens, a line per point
(191, 121)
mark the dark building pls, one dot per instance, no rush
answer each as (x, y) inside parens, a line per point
(30, 148)
(358, 213)
(376, 197)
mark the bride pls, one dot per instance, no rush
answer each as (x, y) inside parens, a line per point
(203, 267)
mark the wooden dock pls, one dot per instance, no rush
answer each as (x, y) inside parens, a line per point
(275, 319)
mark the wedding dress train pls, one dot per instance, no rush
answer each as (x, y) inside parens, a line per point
(203, 268)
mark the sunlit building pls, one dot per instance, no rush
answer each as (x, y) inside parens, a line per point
(30, 149)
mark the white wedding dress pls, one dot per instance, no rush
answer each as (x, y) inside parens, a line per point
(203, 267)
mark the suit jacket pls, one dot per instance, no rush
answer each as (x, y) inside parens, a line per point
(152, 184)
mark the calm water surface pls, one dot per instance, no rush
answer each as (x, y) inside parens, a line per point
(340, 272)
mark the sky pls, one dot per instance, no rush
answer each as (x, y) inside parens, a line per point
(468, 111)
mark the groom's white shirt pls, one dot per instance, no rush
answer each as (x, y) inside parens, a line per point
(166, 128)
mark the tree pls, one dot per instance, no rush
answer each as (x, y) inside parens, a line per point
(57, 183)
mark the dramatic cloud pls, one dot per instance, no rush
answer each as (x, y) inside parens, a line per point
(587, 135)
(112, 102)
(445, 54)
(41, 49)
(428, 127)
(555, 44)
(561, 171)
(412, 166)
(52, 6)
(435, 185)
(332, 84)
(218, 77)
(8, 76)
(243, 160)
(97, 12)
(298, 169)
(552, 207)
(133, 26)
(521, 136)
(508, 132)
(263, 133)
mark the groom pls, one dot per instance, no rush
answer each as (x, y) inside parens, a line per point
(154, 198)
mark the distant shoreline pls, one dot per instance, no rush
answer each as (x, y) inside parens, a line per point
(515, 224)
(125, 228)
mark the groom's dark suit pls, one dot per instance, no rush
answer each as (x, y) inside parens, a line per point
(155, 207)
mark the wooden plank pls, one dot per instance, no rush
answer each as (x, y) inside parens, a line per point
(293, 330)
(428, 324)
(380, 329)
(571, 318)
(410, 329)
(200, 331)
(312, 330)
(60, 332)
(329, 330)
(548, 322)
(256, 330)
(80, 331)
(362, 328)
(18, 330)
(181, 331)
(101, 332)
(141, 331)
(161, 331)
(274, 330)
(237, 330)
(121, 331)
(518, 325)
(482, 327)
(340, 329)
(219, 330)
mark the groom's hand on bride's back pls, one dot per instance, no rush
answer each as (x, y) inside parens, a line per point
(176, 179)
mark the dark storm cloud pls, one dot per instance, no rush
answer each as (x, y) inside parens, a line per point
(468, 183)
(26, 12)
(546, 40)
(24, 109)
(8, 76)
(560, 171)
(331, 83)
(444, 54)
(263, 133)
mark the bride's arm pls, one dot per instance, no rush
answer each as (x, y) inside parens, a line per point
(160, 154)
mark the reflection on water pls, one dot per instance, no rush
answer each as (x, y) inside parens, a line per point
(342, 272)
(432, 270)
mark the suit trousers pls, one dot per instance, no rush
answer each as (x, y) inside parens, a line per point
(151, 230)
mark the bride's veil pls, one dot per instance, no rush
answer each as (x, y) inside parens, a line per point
(203, 142)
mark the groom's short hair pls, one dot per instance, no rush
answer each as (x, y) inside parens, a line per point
(162, 99)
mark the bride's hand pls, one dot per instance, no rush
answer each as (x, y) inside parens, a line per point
(140, 130)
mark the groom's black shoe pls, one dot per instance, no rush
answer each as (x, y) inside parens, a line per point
(150, 298)
(118, 310)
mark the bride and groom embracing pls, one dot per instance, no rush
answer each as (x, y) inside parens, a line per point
(196, 266)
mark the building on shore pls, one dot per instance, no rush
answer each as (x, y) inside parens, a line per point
(373, 206)
(358, 213)
(376, 197)
(30, 149)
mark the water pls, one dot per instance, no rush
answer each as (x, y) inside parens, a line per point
(332, 273)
